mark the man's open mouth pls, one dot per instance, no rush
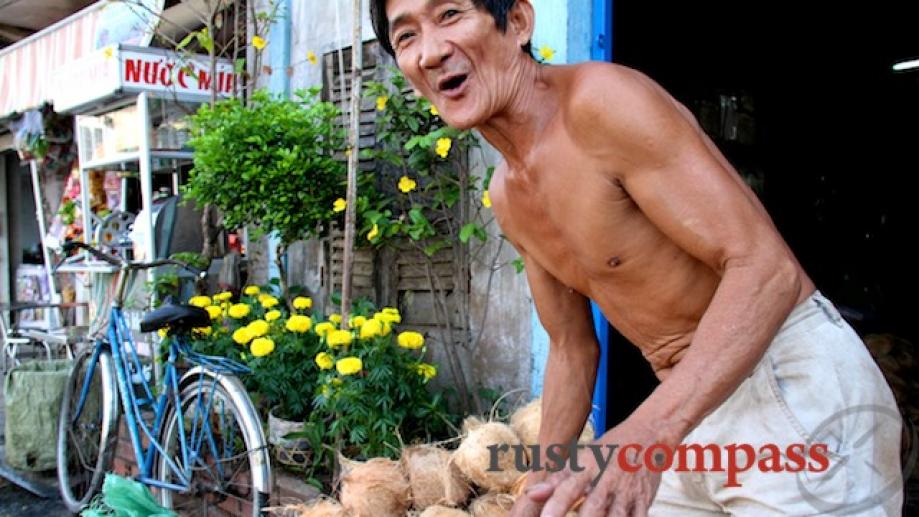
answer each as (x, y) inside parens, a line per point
(452, 83)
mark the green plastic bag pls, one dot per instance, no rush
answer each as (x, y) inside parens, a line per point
(33, 393)
(122, 497)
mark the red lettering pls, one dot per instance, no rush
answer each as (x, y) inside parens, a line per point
(733, 467)
(818, 452)
(682, 451)
(204, 80)
(151, 71)
(771, 458)
(795, 453)
(660, 461)
(623, 461)
(166, 74)
(181, 78)
(132, 71)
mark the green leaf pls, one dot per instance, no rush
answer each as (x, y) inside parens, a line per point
(185, 41)
(467, 231)
(518, 265)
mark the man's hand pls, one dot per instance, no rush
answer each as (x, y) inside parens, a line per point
(617, 492)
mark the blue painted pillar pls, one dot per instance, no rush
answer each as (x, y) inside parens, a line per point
(278, 59)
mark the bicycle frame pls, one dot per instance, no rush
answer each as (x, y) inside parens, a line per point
(124, 352)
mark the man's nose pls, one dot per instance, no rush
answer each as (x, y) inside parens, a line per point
(434, 51)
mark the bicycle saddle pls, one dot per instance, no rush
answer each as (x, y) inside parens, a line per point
(176, 317)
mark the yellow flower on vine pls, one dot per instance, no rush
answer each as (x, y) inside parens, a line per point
(434, 111)
(299, 323)
(311, 57)
(339, 338)
(242, 335)
(373, 233)
(324, 361)
(442, 147)
(407, 184)
(261, 346)
(258, 328)
(339, 205)
(324, 328)
(239, 310)
(349, 365)
(381, 102)
(546, 53)
(486, 199)
(259, 42)
(410, 340)
(199, 301)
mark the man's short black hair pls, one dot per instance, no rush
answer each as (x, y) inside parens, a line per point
(497, 8)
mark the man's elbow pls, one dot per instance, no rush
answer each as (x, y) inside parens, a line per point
(774, 269)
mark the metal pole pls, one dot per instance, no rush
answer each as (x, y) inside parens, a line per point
(357, 67)
(53, 319)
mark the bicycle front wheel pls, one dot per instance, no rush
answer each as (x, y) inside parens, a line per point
(87, 428)
(224, 465)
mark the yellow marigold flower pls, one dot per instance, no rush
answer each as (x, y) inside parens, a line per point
(252, 290)
(371, 329)
(261, 346)
(324, 361)
(162, 332)
(388, 317)
(356, 321)
(335, 318)
(428, 371)
(434, 111)
(390, 310)
(199, 301)
(407, 184)
(410, 340)
(546, 53)
(486, 199)
(259, 42)
(372, 234)
(381, 102)
(339, 205)
(222, 297)
(203, 331)
(272, 315)
(268, 301)
(311, 57)
(303, 302)
(299, 323)
(324, 328)
(239, 310)
(349, 365)
(258, 328)
(442, 148)
(214, 312)
(242, 335)
(339, 338)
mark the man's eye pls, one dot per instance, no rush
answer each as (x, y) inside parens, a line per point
(403, 37)
(449, 13)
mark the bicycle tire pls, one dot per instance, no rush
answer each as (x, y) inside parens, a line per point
(229, 391)
(100, 412)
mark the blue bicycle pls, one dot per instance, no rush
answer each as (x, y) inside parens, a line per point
(197, 438)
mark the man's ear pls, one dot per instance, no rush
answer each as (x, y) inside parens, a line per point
(521, 20)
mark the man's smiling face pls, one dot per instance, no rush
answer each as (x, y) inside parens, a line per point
(453, 53)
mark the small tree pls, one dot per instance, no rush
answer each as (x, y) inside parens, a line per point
(270, 164)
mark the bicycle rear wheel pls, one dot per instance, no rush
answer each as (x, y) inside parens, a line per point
(227, 463)
(86, 441)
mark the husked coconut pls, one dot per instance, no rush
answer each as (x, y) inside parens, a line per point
(319, 507)
(433, 477)
(473, 456)
(491, 505)
(526, 420)
(442, 511)
(377, 488)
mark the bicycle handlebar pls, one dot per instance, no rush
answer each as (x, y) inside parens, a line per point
(127, 264)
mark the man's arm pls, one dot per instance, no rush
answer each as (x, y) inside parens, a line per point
(571, 368)
(686, 188)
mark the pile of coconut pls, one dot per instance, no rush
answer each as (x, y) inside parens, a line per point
(432, 481)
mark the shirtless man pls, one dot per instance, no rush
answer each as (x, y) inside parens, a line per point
(610, 191)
